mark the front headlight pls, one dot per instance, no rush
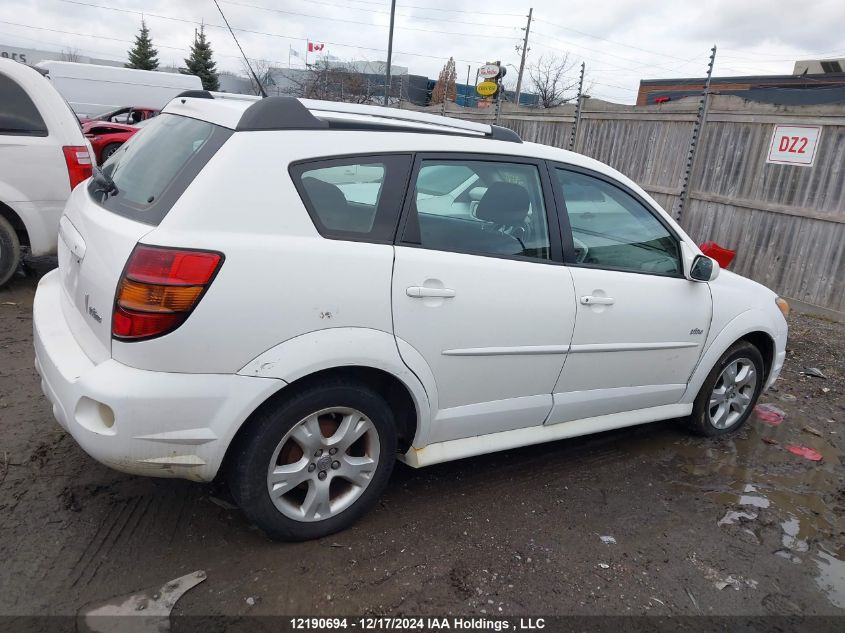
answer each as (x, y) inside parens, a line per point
(783, 306)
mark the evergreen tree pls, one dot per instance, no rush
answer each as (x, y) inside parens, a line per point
(142, 55)
(199, 62)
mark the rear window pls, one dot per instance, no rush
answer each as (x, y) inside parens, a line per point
(18, 114)
(155, 167)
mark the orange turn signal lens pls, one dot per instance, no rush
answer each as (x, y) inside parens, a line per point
(133, 295)
(159, 288)
(783, 306)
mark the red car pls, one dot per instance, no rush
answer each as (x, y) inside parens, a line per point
(106, 138)
(129, 115)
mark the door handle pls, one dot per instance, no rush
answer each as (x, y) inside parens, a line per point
(424, 291)
(590, 300)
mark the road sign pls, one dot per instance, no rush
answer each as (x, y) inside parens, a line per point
(487, 88)
(489, 71)
(794, 145)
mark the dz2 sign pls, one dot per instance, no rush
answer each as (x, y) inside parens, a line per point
(794, 145)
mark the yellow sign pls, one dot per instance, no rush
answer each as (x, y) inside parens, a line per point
(487, 88)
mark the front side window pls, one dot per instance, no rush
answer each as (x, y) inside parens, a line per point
(480, 207)
(18, 114)
(353, 198)
(612, 229)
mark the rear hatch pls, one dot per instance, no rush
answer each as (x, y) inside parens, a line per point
(99, 230)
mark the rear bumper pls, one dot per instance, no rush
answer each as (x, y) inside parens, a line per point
(137, 421)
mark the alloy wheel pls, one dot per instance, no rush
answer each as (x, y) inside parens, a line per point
(733, 393)
(323, 464)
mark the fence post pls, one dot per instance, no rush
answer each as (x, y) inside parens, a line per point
(697, 127)
(573, 134)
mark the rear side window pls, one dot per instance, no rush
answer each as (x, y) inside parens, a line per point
(357, 198)
(483, 207)
(18, 114)
(155, 167)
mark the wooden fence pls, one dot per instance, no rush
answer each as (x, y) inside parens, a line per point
(786, 222)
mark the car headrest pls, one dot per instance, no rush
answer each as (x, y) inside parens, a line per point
(324, 195)
(504, 203)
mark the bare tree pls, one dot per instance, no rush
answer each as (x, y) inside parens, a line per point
(263, 70)
(336, 82)
(551, 79)
(71, 55)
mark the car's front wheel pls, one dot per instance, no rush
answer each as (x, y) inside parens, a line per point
(315, 462)
(729, 393)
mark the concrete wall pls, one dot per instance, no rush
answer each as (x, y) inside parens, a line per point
(787, 223)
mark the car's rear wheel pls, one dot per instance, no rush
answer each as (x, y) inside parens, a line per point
(728, 396)
(10, 251)
(108, 150)
(316, 462)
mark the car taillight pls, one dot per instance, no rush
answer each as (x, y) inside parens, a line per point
(78, 162)
(159, 289)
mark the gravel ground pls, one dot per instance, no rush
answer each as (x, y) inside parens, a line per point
(728, 527)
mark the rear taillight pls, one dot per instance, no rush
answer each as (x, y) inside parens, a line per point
(78, 162)
(159, 289)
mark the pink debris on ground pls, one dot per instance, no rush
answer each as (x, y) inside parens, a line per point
(769, 414)
(804, 451)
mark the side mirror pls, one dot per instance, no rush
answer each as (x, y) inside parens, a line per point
(703, 268)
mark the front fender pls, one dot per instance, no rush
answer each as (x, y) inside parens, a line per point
(744, 323)
(344, 347)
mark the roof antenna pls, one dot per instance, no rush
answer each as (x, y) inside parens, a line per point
(248, 65)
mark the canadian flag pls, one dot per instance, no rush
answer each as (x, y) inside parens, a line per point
(314, 47)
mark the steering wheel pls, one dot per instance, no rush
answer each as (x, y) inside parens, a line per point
(581, 250)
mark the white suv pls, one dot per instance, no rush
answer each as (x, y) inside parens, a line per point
(43, 155)
(293, 294)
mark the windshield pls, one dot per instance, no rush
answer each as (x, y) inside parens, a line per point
(155, 167)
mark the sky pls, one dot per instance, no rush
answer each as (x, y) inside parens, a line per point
(620, 41)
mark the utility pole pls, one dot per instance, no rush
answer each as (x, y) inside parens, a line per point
(389, 53)
(700, 119)
(573, 135)
(466, 90)
(524, 53)
(502, 71)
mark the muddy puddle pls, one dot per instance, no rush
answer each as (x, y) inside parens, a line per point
(767, 491)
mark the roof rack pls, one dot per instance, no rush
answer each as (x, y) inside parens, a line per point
(195, 94)
(290, 113)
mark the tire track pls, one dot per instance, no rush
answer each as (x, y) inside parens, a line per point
(90, 558)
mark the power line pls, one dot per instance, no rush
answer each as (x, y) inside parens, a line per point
(319, 17)
(604, 39)
(824, 54)
(597, 52)
(411, 6)
(111, 39)
(266, 34)
(387, 13)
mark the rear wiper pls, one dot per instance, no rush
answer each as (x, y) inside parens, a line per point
(104, 183)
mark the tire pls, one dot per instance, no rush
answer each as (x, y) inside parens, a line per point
(10, 251)
(108, 150)
(297, 435)
(724, 403)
